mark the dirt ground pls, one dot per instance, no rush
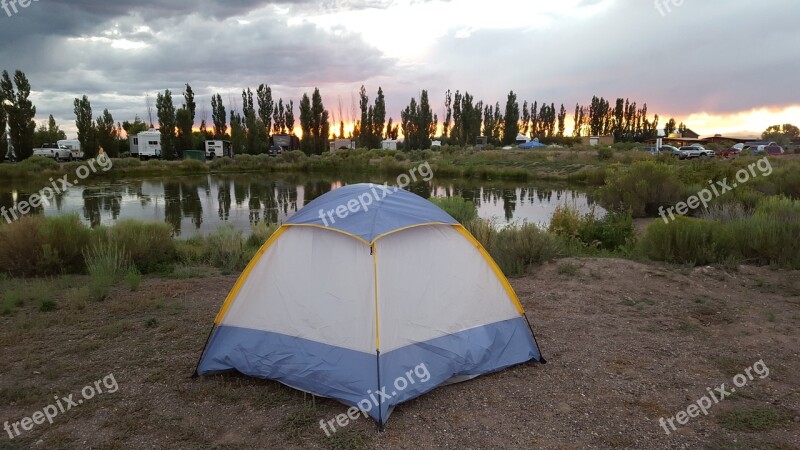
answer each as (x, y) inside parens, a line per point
(627, 344)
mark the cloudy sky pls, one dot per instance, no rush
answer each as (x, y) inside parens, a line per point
(723, 66)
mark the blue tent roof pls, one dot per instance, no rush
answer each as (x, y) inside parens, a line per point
(532, 144)
(369, 211)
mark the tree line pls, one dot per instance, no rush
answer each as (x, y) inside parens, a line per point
(261, 116)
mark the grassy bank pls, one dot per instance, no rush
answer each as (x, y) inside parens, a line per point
(730, 235)
(555, 165)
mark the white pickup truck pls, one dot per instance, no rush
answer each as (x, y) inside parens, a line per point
(65, 150)
(52, 151)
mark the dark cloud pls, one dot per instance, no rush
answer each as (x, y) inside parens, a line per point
(703, 56)
(713, 56)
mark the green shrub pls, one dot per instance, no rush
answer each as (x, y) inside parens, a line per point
(642, 187)
(47, 306)
(38, 164)
(516, 247)
(605, 153)
(21, 246)
(106, 263)
(193, 166)
(149, 245)
(192, 251)
(293, 156)
(220, 163)
(464, 211)
(225, 248)
(768, 236)
(683, 241)
(261, 232)
(608, 233)
(133, 278)
(63, 239)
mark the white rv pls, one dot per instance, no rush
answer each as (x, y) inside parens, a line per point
(146, 145)
(218, 148)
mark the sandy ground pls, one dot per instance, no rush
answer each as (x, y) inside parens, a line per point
(627, 343)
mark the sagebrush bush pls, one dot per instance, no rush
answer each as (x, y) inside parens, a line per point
(683, 241)
(38, 163)
(259, 235)
(149, 244)
(609, 232)
(516, 247)
(63, 239)
(642, 187)
(107, 263)
(21, 246)
(768, 236)
(225, 248)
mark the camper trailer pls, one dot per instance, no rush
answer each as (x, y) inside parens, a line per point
(218, 148)
(146, 145)
(74, 147)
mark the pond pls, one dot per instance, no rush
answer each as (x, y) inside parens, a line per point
(201, 204)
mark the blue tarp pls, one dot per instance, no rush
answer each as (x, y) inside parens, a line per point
(370, 210)
(532, 144)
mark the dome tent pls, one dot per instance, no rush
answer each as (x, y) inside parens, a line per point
(361, 287)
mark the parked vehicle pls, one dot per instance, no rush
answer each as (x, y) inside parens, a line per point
(677, 152)
(757, 147)
(47, 151)
(148, 145)
(704, 152)
(731, 152)
(771, 150)
(70, 149)
(218, 148)
(275, 150)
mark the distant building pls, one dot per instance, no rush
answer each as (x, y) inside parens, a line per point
(689, 134)
(342, 144)
(720, 139)
(389, 144)
(481, 142)
(597, 140)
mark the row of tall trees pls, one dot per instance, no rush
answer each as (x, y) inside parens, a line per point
(626, 121)
(419, 123)
(97, 133)
(261, 116)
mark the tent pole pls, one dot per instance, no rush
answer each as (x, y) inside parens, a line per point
(195, 374)
(541, 357)
(380, 399)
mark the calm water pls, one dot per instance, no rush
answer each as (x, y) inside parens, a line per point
(195, 205)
